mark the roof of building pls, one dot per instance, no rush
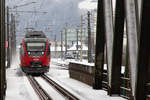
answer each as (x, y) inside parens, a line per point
(58, 48)
(74, 47)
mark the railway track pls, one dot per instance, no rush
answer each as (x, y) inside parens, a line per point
(60, 89)
(43, 95)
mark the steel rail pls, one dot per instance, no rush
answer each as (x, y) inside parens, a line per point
(60, 89)
(43, 95)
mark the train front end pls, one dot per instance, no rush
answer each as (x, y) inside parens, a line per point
(35, 55)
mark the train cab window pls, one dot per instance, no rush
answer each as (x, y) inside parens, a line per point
(36, 46)
(48, 50)
(36, 49)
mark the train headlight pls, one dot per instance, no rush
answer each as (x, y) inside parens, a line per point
(29, 53)
(42, 53)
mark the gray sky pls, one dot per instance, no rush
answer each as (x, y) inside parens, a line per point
(58, 13)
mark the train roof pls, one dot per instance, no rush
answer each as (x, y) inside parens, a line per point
(35, 34)
(35, 39)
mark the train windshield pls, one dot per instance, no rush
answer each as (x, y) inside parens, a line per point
(36, 46)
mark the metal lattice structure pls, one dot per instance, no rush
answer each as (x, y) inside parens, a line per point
(132, 16)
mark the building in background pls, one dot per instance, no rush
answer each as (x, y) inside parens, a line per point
(72, 36)
(76, 52)
(56, 49)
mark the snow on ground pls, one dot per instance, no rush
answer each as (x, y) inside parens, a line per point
(83, 91)
(49, 89)
(19, 88)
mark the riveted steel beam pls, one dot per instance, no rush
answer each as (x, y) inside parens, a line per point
(108, 13)
(132, 36)
(100, 41)
(116, 49)
(143, 53)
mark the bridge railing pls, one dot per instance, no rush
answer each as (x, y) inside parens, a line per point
(105, 79)
(125, 88)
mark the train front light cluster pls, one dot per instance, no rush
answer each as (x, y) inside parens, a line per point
(29, 53)
(42, 53)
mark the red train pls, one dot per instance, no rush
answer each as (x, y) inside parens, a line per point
(35, 53)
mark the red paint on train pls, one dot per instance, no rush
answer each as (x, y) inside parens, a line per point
(35, 61)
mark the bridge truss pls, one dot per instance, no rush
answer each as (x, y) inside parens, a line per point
(131, 18)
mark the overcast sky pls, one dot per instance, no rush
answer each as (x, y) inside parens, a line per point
(58, 13)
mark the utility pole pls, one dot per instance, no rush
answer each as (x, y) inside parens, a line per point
(81, 25)
(10, 40)
(14, 35)
(65, 40)
(89, 39)
(61, 44)
(77, 44)
(2, 49)
(12, 32)
(7, 40)
(55, 45)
